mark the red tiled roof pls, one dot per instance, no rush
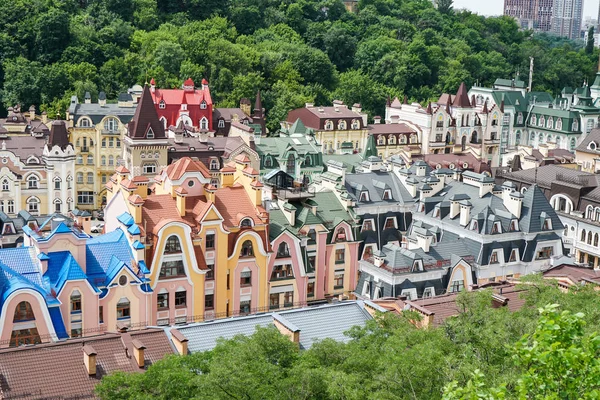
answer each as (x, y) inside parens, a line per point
(243, 158)
(256, 183)
(121, 169)
(109, 185)
(158, 207)
(573, 273)
(140, 179)
(135, 199)
(250, 171)
(228, 168)
(176, 170)
(181, 190)
(234, 201)
(113, 177)
(127, 184)
(57, 370)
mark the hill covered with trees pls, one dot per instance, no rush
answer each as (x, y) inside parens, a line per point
(538, 352)
(294, 51)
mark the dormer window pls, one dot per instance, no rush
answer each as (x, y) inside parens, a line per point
(474, 226)
(204, 123)
(214, 164)
(387, 194)
(550, 123)
(514, 255)
(436, 212)
(514, 225)
(402, 139)
(421, 207)
(246, 223)
(542, 121)
(390, 223)
(367, 225)
(247, 250)
(559, 124)
(533, 119)
(340, 235)
(162, 105)
(494, 257)
(355, 124)
(342, 125)
(418, 265)
(497, 228)
(392, 139)
(150, 134)
(547, 226)
(364, 196)
(328, 125)
(381, 140)
(203, 105)
(5, 186)
(283, 250)
(268, 162)
(221, 123)
(592, 146)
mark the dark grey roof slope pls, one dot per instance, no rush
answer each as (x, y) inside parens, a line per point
(535, 205)
(375, 183)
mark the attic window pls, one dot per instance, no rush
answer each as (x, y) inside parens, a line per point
(592, 146)
(474, 226)
(150, 134)
(387, 194)
(418, 265)
(436, 212)
(367, 225)
(429, 292)
(497, 228)
(221, 123)
(514, 226)
(390, 222)
(203, 105)
(364, 196)
(494, 257)
(246, 223)
(162, 105)
(547, 224)
(514, 255)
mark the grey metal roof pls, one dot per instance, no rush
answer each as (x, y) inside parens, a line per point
(315, 323)
(376, 182)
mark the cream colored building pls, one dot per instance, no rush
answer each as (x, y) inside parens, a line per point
(97, 131)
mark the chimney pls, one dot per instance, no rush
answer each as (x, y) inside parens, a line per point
(180, 342)
(465, 212)
(102, 99)
(32, 112)
(377, 119)
(88, 98)
(514, 203)
(454, 208)
(287, 328)
(44, 117)
(203, 137)
(180, 194)
(378, 258)
(138, 352)
(543, 148)
(89, 359)
(357, 108)
(309, 105)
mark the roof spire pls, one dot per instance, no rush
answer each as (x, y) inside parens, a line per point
(462, 98)
(429, 110)
(405, 100)
(145, 119)
(448, 103)
(388, 101)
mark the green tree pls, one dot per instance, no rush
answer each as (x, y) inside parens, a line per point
(445, 6)
(589, 45)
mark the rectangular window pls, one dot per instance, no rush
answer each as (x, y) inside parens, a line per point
(312, 262)
(458, 286)
(389, 223)
(245, 307)
(180, 299)
(288, 299)
(11, 206)
(339, 281)
(274, 300)
(282, 272)
(339, 256)
(123, 311)
(210, 241)
(84, 197)
(24, 336)
(310, 289)
(210, 274)
(56, 185)
(149, 168)
(513, 256)
(367, 225)
(101, 314)
(494, 258)
(162, 301)
(75, 304)
(545, 253)
(209, 301)
(171, 269)
(246, 278)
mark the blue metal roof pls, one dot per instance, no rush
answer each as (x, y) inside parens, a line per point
(61, 228)
(57, 321)
(134, 229)
(126, 219)
(101, 249)
(138, 245)
(43, 257)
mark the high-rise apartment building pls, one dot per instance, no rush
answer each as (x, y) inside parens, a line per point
(531, 14)
(566, 18)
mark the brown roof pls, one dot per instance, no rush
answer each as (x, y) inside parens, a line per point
(127, 184)
(462, 98)
(57, 370)
(475, 164)
(228, 113)
(573, 273)
(140, 179)
(58, 135)
(390, 128)
(243, 127)
(177, 169)
(135, 199)
(146, 118)
(233, 204)
(314, 117)
(396, 103)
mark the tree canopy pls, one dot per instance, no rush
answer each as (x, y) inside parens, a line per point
(294, 51)
(541, 351)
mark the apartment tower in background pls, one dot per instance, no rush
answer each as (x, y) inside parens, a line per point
(566, 18)
(531, 14)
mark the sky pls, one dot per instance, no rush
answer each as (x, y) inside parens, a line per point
(494, 7)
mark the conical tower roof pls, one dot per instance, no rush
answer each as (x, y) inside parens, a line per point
(145, 120)
(462, 98)
(370, 148)
(58, 135)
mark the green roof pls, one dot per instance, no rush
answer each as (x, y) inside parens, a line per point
(509, 83)
(370, 148)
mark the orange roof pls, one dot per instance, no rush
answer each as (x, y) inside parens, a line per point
(122, 170)
(114, 178)
(158, 178)
(140, 179)
(250, 171)
(159, 207)
(210, 187)
(233, 202)
(127, 184)
(242, 158)
(135, 199)
(228, 169)
(109, 185)
(181, 190)
(256, 183)
(176, 170)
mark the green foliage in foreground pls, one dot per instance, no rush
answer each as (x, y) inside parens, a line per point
(540, 352)
(294, 51)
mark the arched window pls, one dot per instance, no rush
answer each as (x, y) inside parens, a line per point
(246, 223)
(75, 302)
(173, 245)
(33, 205)
(392, 139)
(542, 121)
(291, 164)
(573, 144)
(518, 138)
(268, 162)
(413, 138)
(597, 216)
(123, 309)
(247, 250)
(80, 177)
(111, 124)
(32, 182)
(328, 125)
(5, 186)
(558, 124)
(214, 164)
(355, 124)
(90, 178)
(402, 139)
(23, 312)
(307, 161)
(533, 120)
(550, 123)
(381, 140)
(111, 160)
(221, 123)
(340, 235)
(283, 250)
(84, 122)
(203, 123)
(596, 239)
(583, 235)
(312, 235)
(589, 238)
(540, 138)
(589, 212)
(474, 137)
(520, 118)
(90, 159)
(342, 125)
(103, 160)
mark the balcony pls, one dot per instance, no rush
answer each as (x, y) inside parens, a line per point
(113, 132)
(84, 149)
(294, 193)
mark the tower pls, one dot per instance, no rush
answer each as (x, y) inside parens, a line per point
(145, 150)
(59, 157)
(258, 114)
